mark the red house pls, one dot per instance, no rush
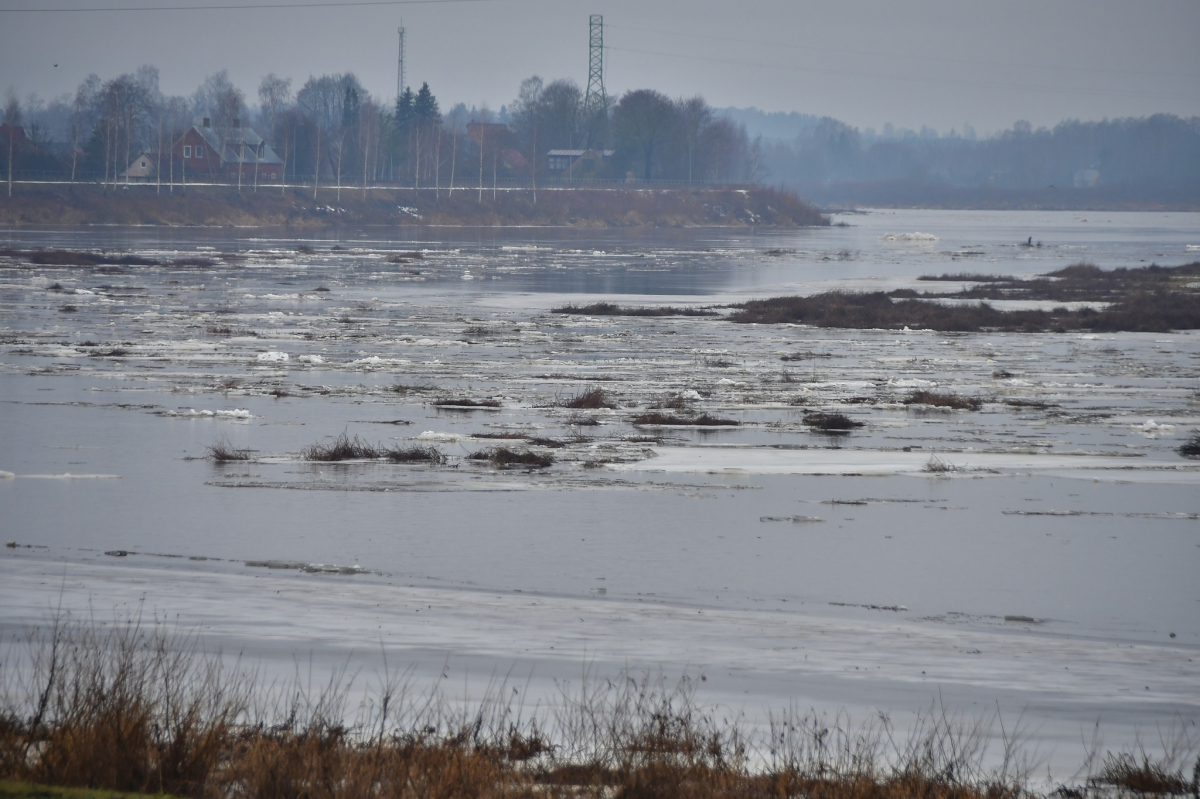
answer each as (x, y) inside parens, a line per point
(238, 154)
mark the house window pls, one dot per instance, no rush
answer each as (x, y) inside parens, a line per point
(143, 165)
(187, 151)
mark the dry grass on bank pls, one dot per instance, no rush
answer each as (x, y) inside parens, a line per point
(297, 208)
(128, 708)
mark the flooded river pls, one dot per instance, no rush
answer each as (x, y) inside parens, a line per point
(1039, 555)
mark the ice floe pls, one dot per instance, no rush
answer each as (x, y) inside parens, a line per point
(916, 236)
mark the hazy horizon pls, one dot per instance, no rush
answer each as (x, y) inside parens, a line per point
(868, 63)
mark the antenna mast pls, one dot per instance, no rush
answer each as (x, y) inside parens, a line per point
(400, 65)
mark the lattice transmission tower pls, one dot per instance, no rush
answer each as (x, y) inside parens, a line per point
(400, 65)
(595, 102)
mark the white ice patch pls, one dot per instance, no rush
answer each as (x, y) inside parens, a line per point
(311, 359)
(1151, 428)
(272, 357)
(910, 382)
(690, 394)
(754, 460)
(192, 413)
(432, 435)
(433, 342)
(917, 236)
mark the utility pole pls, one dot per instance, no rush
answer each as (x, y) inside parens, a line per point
(595, 102)
(400, 65)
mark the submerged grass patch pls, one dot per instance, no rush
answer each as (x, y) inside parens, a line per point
(612, 309)
(831, 422)
(505, 457)
(1149, 299)
(466, 403)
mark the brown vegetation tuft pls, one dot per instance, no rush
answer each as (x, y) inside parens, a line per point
(655, 419)
(940, 400)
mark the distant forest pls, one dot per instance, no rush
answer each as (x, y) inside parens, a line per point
(330, 128)
(827, 159)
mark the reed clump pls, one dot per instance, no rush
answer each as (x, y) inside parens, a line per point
(127, 707)
(224, 452)
(342, 448)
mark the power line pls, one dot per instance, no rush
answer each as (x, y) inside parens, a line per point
(890, 76)
(240, 7)
(911, 56)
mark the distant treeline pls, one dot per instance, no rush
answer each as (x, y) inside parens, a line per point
(1137, 156)
(332, 129)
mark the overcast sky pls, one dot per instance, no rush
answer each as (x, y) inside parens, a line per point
(941, 63)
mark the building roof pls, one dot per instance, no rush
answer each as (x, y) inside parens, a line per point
(241, 146)
(581, 153)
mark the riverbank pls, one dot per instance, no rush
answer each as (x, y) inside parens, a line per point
(940, 196)
(303, 209)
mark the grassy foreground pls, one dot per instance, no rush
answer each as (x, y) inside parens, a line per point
(89, 204)
(127, 710)
(11, 789)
